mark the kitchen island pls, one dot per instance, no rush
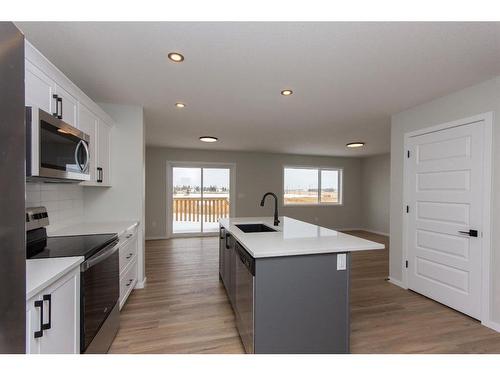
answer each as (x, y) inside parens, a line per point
(288, 284)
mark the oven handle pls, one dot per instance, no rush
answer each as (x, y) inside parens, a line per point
(100, 256)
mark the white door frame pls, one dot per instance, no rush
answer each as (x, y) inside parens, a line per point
(486, 217)
(194, 164)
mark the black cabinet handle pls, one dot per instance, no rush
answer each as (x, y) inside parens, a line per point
(129, 256)
(470, 233)
(129, 282)
(56, 113)
(227, 236)
(60, 114)
(39, 333)
(48, 297)
(99, 174)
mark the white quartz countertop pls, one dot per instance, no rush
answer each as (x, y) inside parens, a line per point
(86, 228)
(294, 237)
(40, 273)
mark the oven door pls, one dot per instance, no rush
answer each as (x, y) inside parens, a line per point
(57, 150)
(100, 290)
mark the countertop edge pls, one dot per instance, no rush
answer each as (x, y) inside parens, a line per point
(89, 228)
(52, 277)
(298, 252)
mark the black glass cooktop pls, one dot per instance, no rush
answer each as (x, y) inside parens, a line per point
(69, 246)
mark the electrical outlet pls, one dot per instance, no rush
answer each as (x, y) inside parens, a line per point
(341, 262)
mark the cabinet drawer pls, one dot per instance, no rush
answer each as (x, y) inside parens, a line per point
(128, 252)
(128, 281)
(127, 235)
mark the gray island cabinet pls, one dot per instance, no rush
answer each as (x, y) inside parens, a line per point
(288, 285)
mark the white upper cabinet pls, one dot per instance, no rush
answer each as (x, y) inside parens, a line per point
(39, 89)
(68, 106)
(50, 90)
(87, 123)
(104, 154)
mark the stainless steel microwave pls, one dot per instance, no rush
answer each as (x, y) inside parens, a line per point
(55, 150)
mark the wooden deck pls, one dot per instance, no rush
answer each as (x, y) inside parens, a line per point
(184, 308)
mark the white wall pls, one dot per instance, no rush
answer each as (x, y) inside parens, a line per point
(481, 98)
(375, 193)
(256, 173)
(123, 201)
(64, 202)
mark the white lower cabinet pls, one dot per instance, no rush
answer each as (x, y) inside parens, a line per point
(53, 317)
(128, 263)
(128, 281)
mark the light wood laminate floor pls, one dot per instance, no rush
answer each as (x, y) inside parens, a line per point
(184, 308)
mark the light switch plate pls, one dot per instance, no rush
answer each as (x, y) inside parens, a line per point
(341, 262)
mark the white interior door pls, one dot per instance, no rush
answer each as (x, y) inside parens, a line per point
(445, 196)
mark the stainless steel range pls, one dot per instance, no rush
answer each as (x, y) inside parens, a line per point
(100, 288)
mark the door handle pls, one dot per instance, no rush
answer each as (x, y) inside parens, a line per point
(129, 256)
(48, 297)
(39, 333)
(99, 174)
(56, 113)
(227, 236)
(470, 233)
(60, 115)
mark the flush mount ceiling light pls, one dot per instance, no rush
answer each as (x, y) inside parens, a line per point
(286, 92)
(355, 144)
(180, 105)
(209, 139)
(175, 57)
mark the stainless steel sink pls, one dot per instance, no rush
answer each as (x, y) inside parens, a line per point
(254, 228)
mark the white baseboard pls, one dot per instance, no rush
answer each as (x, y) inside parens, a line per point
(493, 325)
(156, 238)
(141, 284)
(397, 282)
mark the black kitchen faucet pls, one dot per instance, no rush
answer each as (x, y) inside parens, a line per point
(276, 220)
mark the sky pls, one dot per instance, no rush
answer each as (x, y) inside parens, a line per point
(295, 179)
(192, 176)
(303, 179)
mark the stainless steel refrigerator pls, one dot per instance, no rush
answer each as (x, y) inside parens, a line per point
(12, 191)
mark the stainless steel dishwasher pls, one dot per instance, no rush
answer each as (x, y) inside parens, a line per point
(244, 296)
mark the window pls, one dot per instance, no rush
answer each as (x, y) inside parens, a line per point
(312, 186)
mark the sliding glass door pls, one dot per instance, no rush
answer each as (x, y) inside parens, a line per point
(200, 195)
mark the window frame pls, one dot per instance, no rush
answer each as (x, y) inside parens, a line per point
(340, 172)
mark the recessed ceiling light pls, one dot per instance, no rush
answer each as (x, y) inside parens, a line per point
(208, 139)
(355, 144)
(180, 105)
(286, 92)
(175, 57)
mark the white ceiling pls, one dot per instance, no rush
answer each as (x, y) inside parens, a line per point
(347, 78)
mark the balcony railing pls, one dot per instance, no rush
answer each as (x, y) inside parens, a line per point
(193, 208)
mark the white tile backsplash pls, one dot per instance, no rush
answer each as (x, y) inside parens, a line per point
(64, 202)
